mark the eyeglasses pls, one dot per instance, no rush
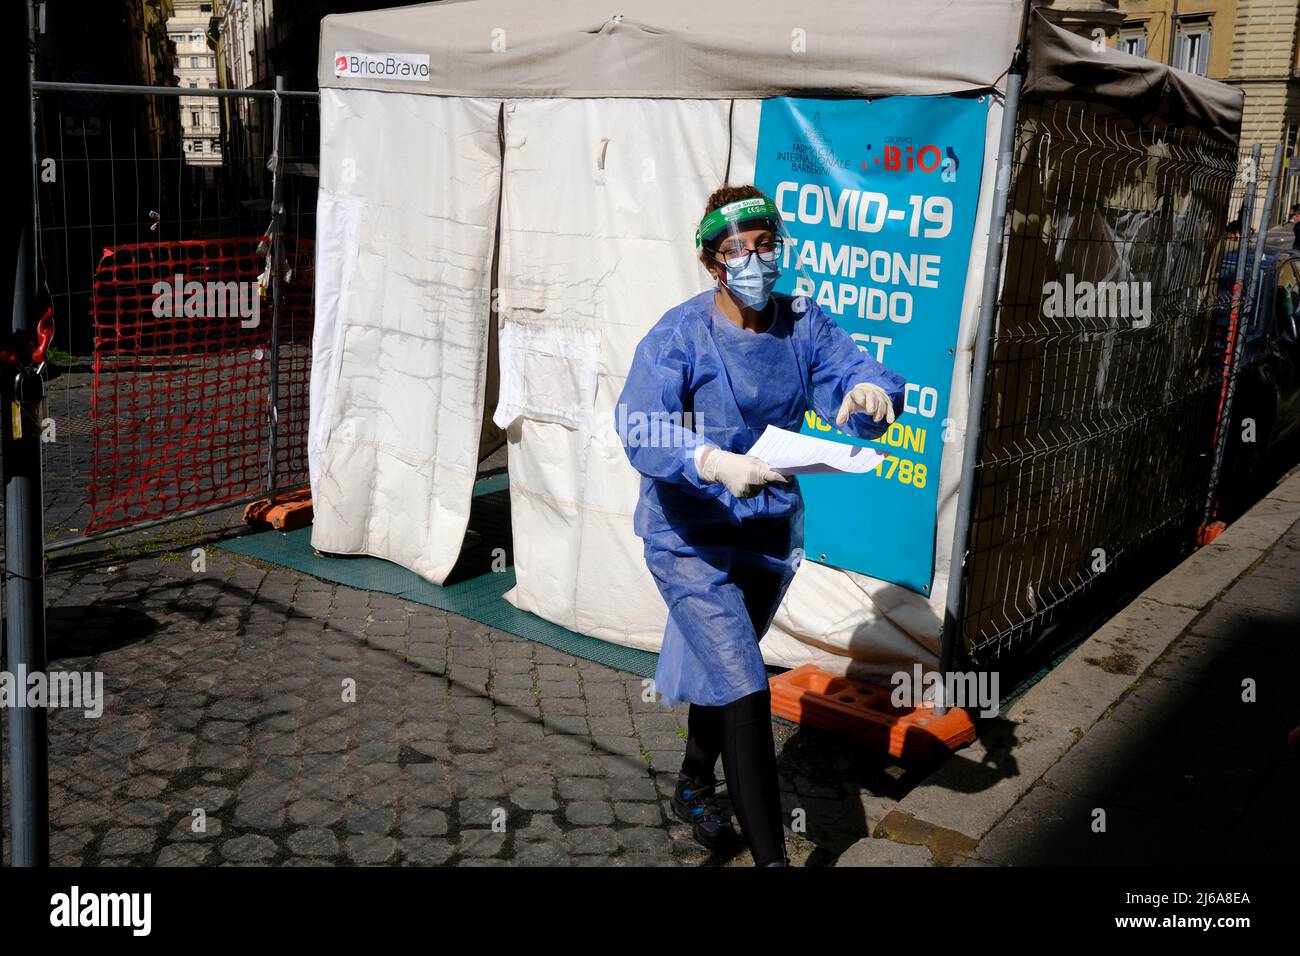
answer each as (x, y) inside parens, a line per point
(735, 255)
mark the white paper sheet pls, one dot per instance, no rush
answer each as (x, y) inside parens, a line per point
(791, 453)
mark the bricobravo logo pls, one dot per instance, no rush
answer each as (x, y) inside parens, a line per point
(383, 66)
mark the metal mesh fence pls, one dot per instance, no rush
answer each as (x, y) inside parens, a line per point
(1287, 192)
(134, 185)
(181, 393)
(1106, 368)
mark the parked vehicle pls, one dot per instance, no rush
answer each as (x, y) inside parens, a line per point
(1266, 407)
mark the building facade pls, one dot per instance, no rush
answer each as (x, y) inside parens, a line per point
(1265, 63)
(195, 64)
(1084, 17)
(1251, 44)
(1202, 38)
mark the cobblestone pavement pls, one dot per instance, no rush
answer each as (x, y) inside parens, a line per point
(225, 695)
(67, 459)
(226, 737)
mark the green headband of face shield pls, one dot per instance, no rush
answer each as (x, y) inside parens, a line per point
(728, 216)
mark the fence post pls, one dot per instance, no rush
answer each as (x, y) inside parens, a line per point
(276, 165)
(24, 557)
(1233, 349)
(953, 608)
(1290, 195)
(1266, 221)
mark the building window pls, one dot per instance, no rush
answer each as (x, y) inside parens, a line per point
(194, 119)
(1194, 49)
(198, 146)
(1133, 40)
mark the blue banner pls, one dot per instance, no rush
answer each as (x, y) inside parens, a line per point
(879, 198)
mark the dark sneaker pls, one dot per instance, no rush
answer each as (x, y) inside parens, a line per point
(694, 803)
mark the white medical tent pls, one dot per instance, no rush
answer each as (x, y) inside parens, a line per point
(524, 177)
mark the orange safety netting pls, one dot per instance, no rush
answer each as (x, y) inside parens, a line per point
(181, 402)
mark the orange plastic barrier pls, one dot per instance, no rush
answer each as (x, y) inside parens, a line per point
(811, 697)
(181, 391)
(1208, 532)
(285, 513)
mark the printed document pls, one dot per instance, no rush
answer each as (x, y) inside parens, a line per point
(791, 453)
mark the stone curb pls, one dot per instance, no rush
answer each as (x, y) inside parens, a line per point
(951, 810)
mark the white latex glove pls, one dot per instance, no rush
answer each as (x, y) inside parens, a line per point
(744, 475)
(868, 398)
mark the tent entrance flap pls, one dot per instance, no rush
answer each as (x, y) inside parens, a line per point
(402, 330)
(491, 435)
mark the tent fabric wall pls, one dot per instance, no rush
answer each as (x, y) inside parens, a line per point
(400, 342)
(1064, 66)
(600, 202)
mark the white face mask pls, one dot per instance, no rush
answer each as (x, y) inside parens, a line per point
(753, 283)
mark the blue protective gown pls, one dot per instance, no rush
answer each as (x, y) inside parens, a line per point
(723, 563)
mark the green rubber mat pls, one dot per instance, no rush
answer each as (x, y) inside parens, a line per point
(479, 599)
(485, 486)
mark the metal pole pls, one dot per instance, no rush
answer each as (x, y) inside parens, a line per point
(23, 390)
(1236, 337)
(1290, 177)
(276, 164)
(49, 86)
(954, 607)
(1257, 264)
(1173, 33)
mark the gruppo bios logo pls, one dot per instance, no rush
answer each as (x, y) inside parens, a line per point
(899, 154)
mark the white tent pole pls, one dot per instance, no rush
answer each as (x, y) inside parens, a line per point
(954, 606)
(276, 162)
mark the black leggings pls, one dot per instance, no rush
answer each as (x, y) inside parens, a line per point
(742, 733)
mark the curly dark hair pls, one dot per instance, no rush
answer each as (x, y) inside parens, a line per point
(728, 194)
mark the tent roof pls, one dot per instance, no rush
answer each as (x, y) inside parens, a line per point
(682, 49)
(1063, 66)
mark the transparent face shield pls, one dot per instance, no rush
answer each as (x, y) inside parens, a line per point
(749, 241)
